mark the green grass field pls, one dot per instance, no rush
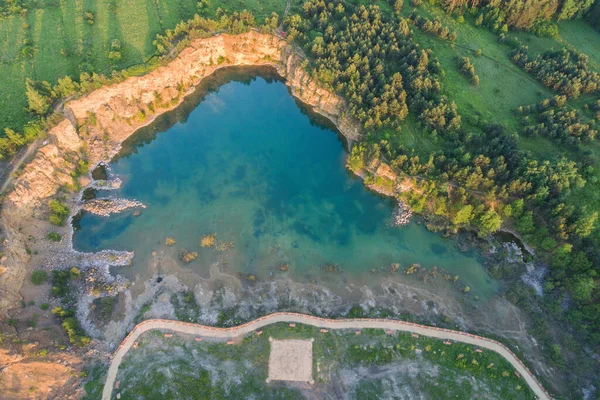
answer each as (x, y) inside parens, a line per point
(65, 44)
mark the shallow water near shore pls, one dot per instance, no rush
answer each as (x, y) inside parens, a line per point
(251, 165)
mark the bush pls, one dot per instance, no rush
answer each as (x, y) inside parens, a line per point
(39, 277)
(544, 28)
(59, 212)
(60, 283)
(54, 236)
(44, 306)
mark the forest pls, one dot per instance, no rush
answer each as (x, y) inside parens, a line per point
(373, 60)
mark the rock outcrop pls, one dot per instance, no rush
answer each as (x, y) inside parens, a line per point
(109, 115)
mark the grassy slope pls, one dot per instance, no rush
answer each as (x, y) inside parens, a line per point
(211, 368)
(579, 36)
(503, 86)
(576, 34)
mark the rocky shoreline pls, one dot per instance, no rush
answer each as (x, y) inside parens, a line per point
(402, 214)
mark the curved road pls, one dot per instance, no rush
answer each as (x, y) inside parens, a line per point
(228, 333)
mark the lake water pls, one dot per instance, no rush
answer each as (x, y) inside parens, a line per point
(243, 160)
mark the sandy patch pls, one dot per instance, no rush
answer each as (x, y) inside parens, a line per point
(291, 360)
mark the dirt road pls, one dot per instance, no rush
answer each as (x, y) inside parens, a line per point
(227, 333)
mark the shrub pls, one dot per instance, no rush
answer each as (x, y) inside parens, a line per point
(59, 212)
(44, 306)
(89, 17)
(60, 283)
(39, 277)
(544, 28)
(54, 236)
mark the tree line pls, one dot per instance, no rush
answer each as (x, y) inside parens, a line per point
(501, 15)
(565, 71)
(550, 118)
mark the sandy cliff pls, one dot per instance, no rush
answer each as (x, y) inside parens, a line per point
(109, 115)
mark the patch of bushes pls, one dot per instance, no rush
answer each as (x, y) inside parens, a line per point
(59, 212)
(72, 326)
(208, 240)
(54, 236)
(468, 69)
(39, 277)
(61, 287)
(565, 71)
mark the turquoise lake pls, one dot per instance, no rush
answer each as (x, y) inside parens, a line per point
(244, 160)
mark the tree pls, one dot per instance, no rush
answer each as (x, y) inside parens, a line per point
(582, 287)
(489, 223)
(398, 6)
(463, 216)
(526, 224)
(59, 212)
(585, 224)
(203, 6)
(38, 102)
(573, 8)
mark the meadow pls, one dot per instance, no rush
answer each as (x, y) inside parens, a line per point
(68, 37)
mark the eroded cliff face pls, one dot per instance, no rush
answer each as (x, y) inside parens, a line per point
(23, 208)
(109, 115)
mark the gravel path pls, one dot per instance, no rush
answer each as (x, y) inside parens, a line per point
(228, 333)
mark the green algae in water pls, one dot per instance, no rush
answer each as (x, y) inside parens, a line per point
(250, 165)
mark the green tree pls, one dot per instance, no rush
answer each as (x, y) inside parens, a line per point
(38, 101)
(59, 212)
(489, 223)
(582, 287)
(526, 224)
(585, 224)
(463, 216)
(203, 6)
(398, 6)
(573, 8)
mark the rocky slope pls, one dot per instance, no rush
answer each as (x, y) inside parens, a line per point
(23, 209)
(109, 115)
